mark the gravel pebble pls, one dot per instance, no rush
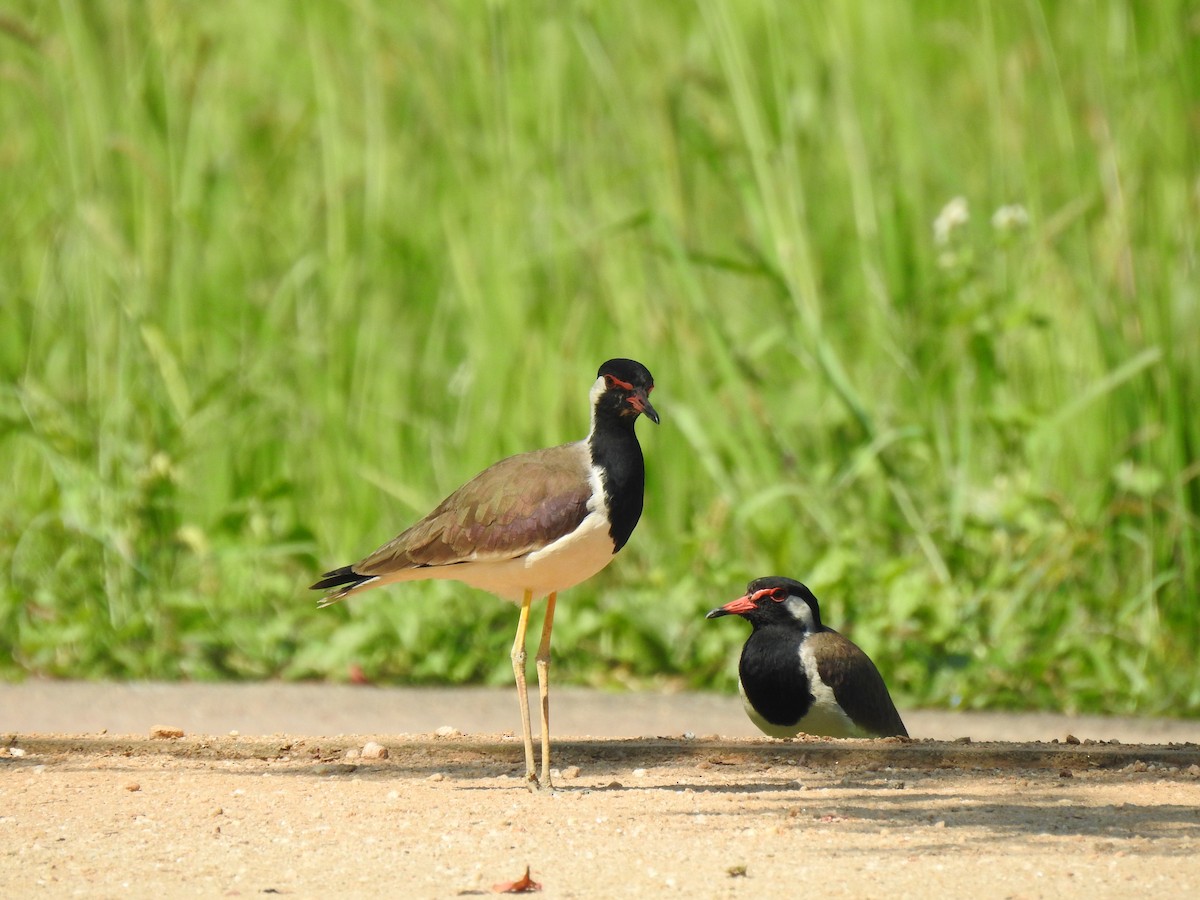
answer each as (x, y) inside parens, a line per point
(372, 750)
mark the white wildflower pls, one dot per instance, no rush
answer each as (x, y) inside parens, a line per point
(953, 214)
(1011, 217)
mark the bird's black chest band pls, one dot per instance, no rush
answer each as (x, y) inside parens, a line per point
(773, 676)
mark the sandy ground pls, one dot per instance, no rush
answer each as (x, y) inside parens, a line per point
(85, 813)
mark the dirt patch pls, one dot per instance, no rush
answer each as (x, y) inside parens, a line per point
(445, 816)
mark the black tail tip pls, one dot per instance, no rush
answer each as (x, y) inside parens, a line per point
(343, 577)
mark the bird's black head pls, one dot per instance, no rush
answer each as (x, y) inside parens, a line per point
(775, 600)
(623, 389)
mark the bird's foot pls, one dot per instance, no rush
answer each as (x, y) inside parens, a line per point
(538, 787)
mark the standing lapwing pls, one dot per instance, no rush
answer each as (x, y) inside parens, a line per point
(530, 526)
(796, 675)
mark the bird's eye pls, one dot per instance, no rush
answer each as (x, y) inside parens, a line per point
(779, 595)
(612, 381)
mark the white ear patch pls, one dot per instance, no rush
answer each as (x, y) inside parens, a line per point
(800, 611)
(598, 388)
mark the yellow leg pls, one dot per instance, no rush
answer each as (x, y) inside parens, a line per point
(518, 663)
(543, 673)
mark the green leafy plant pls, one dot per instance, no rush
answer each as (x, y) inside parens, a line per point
(918, 287)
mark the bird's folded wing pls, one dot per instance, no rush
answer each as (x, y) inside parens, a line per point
(840, 662)
(516, 506)
(855, 680)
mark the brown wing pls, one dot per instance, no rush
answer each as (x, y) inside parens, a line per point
(857, 685)
(514, 507)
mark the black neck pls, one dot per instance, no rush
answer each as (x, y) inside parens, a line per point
(772, 675)
(618, 455)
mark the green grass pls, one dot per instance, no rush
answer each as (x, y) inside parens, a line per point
(275, 279)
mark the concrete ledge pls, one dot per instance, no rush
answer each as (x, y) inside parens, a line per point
(71, 707)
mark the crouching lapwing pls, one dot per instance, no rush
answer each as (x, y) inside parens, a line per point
(799, 676)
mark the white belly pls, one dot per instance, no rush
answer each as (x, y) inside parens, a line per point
(821, 720)
(571, 559)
